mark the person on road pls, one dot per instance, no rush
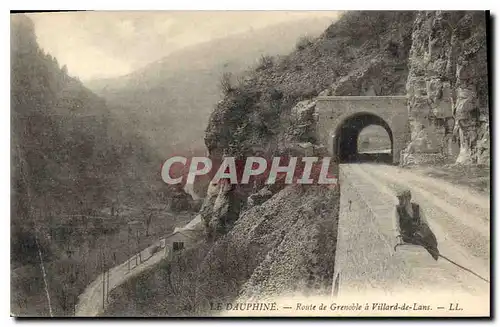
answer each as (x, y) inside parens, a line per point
(411, 225)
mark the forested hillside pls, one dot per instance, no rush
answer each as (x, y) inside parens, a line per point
(73, 171)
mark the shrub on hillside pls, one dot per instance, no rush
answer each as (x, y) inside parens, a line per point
(265, 62)
(226, 83)
(304, 42)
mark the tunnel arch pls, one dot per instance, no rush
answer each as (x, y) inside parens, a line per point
(335, 112)
(347, 134)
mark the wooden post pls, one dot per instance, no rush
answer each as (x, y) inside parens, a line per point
(103, 280)
(138, 247)
(128, 246)
(107, 293)
(136, 257)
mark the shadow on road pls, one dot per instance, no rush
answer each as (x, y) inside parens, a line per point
(425, 238)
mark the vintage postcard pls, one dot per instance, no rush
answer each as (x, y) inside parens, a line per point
(250, 163)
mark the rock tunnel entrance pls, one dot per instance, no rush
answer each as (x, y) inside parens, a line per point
(346, 145)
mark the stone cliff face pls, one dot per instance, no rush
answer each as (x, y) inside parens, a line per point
(448, 89)
(437, 58)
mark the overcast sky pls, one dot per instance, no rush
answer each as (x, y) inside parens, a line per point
(108, 44)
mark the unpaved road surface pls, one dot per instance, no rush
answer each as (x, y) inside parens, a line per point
(366, 261)
(90, 302)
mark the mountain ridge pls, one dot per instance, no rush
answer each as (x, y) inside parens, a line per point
(163, 96)
(179, 54)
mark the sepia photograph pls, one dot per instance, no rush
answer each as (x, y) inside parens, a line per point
(250, 163)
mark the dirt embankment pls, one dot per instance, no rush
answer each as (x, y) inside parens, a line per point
(287, 244)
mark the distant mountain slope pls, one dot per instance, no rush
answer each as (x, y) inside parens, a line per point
(70, 163)
(169, 101)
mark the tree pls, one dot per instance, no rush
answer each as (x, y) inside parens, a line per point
(226, 83)
(304, 42)
(149, 218)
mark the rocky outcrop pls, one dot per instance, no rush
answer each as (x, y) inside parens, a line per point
(300, 260)
(382, 75)
(302, 126)
(286, 244)
(273, 239)
(221, 209)
(260, 197)
(383, 56)
(448, 89)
